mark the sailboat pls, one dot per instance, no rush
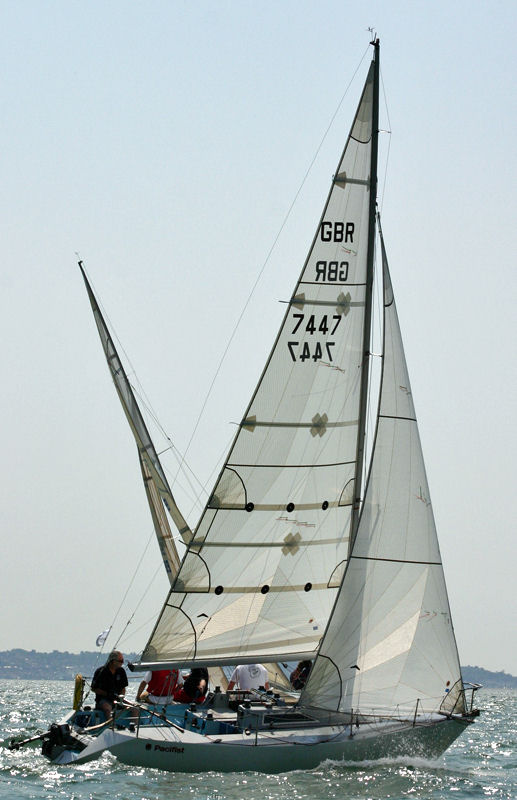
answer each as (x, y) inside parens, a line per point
(312, 545)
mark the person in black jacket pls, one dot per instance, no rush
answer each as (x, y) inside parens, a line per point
(109, 681)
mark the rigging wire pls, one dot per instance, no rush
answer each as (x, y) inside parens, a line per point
(389, 141)
(180, 457)
(139, 564)
(130, 620)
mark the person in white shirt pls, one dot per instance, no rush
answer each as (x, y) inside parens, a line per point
(249, 676)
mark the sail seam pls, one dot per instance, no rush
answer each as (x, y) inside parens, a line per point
(334, 283)
(278, 506)
(250, 589)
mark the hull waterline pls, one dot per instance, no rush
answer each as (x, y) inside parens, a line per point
(171, 751)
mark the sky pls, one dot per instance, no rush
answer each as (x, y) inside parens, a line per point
(165, 143)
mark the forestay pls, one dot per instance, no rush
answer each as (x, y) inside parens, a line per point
(260, 577)
(156, 485)
(390, 642)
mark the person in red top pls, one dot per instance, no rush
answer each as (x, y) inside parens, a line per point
(161, 685)
(194, 688)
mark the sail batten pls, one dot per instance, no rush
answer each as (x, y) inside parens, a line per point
(342, 180)
(255, 423)
(395, 416)
(396, 560)
(304, 301)
(299, 543)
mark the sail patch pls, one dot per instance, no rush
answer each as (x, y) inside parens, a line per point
(230, 491)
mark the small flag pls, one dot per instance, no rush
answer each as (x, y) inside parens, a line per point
(101, 638)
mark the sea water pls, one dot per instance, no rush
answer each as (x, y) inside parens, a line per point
(482, 763)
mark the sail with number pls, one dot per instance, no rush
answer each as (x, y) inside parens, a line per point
(156, 485)
(260, 576)
(390, 642)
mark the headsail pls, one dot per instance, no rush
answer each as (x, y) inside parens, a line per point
(155, 482)
(161, 524)
(261, 575)
(390, 642)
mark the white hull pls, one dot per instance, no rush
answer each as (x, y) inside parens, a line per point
(185, 751)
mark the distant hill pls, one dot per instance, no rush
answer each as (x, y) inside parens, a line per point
(30, 665)
(492, 680)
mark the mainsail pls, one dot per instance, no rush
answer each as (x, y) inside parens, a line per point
(156, 485)
(390, 643)
(260, 576)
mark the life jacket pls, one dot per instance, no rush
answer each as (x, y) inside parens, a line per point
(163, 682)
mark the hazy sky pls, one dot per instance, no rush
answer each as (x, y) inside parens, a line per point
(165, 142)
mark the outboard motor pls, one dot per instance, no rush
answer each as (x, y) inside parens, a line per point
(56, 736)
(59, 737)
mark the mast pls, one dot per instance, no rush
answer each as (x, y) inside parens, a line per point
(368, 302)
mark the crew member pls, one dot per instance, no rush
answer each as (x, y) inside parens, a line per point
(108, 682)
(300, 674)
(249, 676)
(194, 688)
(161, 684)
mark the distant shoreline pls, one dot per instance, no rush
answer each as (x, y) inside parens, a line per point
(32, 665)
